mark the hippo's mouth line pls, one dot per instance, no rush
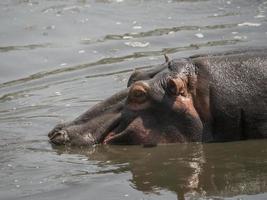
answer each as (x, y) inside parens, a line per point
(113, 136)
(110, 131)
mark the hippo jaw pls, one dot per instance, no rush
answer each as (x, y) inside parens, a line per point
(149, 129)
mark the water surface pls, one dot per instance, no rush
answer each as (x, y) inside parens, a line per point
(59, 58)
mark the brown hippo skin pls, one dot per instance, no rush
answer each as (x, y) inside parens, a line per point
(203, 98)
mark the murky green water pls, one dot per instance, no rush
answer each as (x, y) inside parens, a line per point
(58, 58)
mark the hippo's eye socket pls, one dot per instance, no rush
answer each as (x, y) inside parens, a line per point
(182, 92)
(138, 94)
(171, 87)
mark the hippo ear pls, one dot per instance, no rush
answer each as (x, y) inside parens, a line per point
(175, 87)
(171, 86)
(167, 59)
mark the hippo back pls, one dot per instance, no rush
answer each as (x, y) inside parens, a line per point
(237, 89)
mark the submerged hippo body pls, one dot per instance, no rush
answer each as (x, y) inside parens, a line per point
(208, 98)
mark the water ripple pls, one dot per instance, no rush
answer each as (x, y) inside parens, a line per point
(165, 31)
(24, 47)
(111, 60)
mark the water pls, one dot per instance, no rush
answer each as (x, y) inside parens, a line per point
(58, 58)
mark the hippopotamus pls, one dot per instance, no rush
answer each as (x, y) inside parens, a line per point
(202, 98)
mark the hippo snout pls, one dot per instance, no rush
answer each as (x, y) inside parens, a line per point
(58, 135)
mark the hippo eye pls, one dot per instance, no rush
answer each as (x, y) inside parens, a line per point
(182, 92)
(138, 94)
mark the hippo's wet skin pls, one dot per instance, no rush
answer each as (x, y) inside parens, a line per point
(207, 98)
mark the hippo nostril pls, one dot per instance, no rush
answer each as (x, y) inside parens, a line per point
(59, 137)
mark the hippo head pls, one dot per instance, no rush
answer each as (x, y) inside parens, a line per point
(158, 109)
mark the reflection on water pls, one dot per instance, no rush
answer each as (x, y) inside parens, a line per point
(188, 170)
(58, 58)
